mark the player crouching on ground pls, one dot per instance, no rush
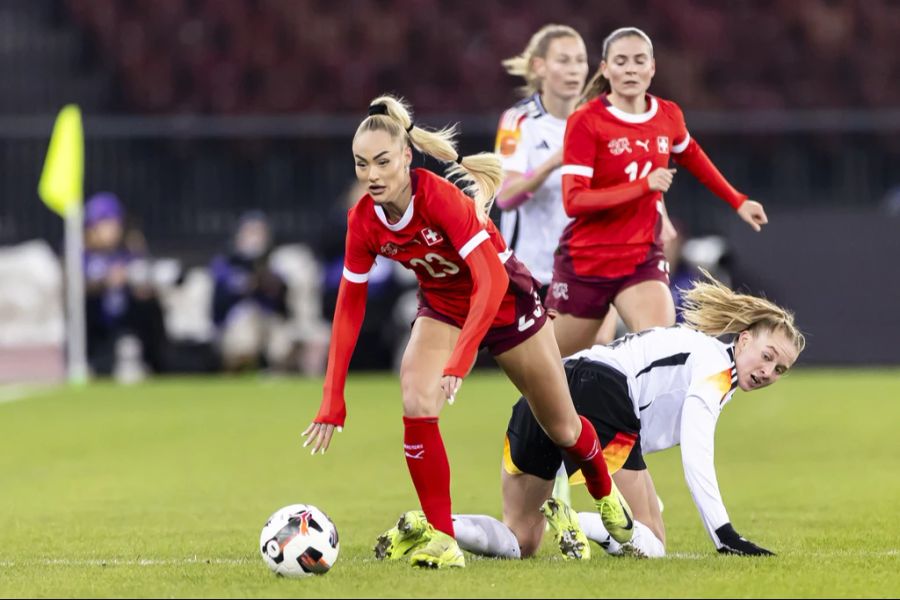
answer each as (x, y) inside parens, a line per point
(643, 393)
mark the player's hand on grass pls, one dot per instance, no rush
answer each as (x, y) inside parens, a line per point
(450, 385)
(319, 436)
(735, 543)
(753, 214)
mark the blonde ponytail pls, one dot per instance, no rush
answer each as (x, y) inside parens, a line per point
(714, 309)
(597, 85)
(480, 173)
(522, 65)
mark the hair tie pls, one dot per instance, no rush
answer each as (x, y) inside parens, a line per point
(411, 125)
(378, 109)
(459, 159)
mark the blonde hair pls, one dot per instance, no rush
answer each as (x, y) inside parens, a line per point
(713, 308)
(600, 84)
(522, 65)
(481, 173)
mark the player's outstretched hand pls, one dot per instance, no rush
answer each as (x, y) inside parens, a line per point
(735, 543)
(319, 436)
(753, 213)
(450, 385)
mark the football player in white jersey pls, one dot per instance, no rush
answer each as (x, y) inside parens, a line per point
(645, 392)
(530, 139)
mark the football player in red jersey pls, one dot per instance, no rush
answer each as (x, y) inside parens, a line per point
(473, 292)
(530, 140)
(615, 169)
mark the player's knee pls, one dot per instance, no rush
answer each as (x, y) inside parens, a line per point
(417, 402)
(563, 433)
(529, 544)
(528, 532)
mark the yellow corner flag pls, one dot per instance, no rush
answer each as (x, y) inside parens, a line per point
(62, 180)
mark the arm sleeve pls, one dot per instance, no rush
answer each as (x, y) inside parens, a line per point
(490, 283)
(517, 162)
(509, 133)
(688, 153)
(456, 217)
(348, 318)
(579, 156)
(698, 427)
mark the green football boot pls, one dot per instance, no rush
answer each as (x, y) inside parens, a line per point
(616, 516)
(440, 552)
(563, 521)
(398, 541)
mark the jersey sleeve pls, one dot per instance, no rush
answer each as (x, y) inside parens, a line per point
(682, 137)
(687, 152)
(489, 284)
(358, 258)
(518, 160)
(709, 388)
(454, 213)
(579, 157)
(349, 313)
(508, 141)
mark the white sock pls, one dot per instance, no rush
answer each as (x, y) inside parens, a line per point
(484, 535)
(644, 539)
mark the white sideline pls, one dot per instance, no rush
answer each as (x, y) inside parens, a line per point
(126, 562)
(834, 554)
(14, 393)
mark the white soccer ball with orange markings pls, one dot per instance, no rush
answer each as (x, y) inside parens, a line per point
(299, 540)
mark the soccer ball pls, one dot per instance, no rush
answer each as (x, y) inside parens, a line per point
(299, 540)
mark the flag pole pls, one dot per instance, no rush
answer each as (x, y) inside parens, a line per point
(76, 339)
(61, 187)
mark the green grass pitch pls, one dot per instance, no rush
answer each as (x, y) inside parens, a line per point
(161, 490)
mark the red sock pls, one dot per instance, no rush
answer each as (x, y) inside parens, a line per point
(429, 468)
(588, 454)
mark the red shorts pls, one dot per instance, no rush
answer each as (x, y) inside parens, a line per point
(591, 297)
(530, 317)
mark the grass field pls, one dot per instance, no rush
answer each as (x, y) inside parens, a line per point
(161, 490)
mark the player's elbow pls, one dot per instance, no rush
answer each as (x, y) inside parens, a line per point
(571, 191)
(572, 210)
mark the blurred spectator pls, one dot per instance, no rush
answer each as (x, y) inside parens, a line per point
(891, 201)
(249, 303)
(264, 56)
(125, 329)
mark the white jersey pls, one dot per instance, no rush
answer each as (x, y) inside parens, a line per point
(678, 380)
(527, 136)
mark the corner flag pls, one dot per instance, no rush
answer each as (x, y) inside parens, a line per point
(62, 189)
(62, 180)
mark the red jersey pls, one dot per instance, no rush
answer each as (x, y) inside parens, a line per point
(436, 233)
(607, 156)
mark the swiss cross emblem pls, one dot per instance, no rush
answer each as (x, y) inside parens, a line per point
(662, 144)
(431, 236)
(619, 145)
